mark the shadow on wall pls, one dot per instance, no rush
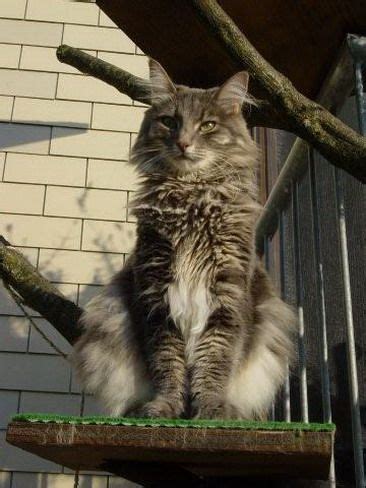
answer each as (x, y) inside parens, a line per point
(19, 329)
(36, 131)
(53, 480)
(98, 267)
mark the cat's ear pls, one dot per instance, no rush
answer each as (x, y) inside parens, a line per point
(162, 87)
(234, 92)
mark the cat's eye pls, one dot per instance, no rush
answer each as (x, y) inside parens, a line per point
(207, 126)
(169, 122)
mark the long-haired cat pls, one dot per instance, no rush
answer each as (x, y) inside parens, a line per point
(191, 326)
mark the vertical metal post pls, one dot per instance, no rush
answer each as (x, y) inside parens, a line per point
(272, 412)
(300, 304)
(287, 397)
(357, 46)
(351, 349)
(360, 97)
(323, 346)
(286, 387)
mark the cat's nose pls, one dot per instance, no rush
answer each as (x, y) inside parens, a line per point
(183, 145)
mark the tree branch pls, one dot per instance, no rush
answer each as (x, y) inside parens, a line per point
(337, 142)
(285, 108)
(38, 293)
(131, 85)
(139, 89)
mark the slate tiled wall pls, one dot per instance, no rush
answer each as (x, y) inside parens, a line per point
(64, 188)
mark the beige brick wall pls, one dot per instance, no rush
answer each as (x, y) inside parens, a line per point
(64, 189)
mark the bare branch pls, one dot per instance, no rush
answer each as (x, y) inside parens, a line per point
(139, 89)
(131, 85)
(285, 108)
(337, 142)
(38, 293)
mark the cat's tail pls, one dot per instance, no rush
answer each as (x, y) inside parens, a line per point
(270, 353)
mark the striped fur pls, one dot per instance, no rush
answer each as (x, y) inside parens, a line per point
(192, 325)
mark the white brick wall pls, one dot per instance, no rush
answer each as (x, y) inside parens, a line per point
(27, 83)
(9, 55)
(6, 107)
(43, 59)
(115, 117)
(90, 143)
(30, 202)
(12, 9)
(30, 168)
(64, 189)
(29, 230)
(30, 33)
(52, 112)
(99, 38)
(111, 174)
(75, 87)
(60, 11)
(31, 139)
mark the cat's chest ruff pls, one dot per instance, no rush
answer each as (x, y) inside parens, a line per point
(196, 222)
(190, 305)
(189, 296)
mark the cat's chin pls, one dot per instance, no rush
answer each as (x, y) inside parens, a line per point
(185, 166)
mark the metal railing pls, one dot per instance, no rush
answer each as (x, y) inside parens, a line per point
(308, 191)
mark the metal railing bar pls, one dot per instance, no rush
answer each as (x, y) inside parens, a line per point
(272, 412)
(336, 87)
(357, 47)
(360, 97)
(324, 363)
(278, 198)
(300, 302)
(351, 349)
(287, 397)
(286, 388)
(323, 346)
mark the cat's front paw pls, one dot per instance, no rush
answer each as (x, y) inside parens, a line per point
(158, 408)
(216, 411)
(213, 408)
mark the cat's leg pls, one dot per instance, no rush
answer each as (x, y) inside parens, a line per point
(162, 342)
(166, 365)
(215, 359)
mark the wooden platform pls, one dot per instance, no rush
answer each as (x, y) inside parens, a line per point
(300, 39)
(144, 453)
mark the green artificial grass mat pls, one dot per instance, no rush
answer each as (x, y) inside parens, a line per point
(194, 423)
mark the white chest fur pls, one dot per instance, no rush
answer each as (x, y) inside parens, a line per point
(190, 306)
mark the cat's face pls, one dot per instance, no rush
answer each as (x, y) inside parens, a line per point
(191, 130)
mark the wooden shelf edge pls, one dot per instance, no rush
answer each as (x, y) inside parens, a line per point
(162, 452)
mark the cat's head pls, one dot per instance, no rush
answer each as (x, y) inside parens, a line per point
(190, 130)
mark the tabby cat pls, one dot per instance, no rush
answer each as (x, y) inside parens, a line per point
(191, 326)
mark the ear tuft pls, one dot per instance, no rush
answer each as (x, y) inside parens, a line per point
(234, 92)
(162, 87)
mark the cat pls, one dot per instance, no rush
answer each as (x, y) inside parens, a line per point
(191, 326)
